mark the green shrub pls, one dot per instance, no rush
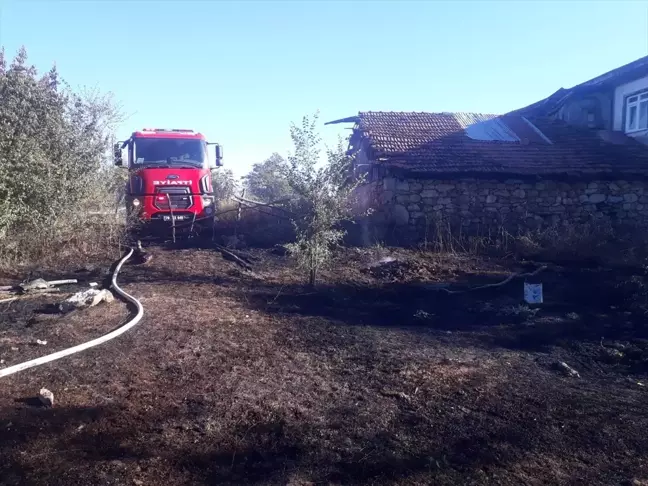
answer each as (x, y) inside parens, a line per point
(57, 184)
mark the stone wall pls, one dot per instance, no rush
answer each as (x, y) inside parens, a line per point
(476, 203)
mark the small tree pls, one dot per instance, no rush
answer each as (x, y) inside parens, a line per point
(267, 180)
(324, 196)
(225, 184)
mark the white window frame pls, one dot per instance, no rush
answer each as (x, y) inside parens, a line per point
(636, 103)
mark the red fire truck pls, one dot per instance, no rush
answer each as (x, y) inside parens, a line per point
(169, 183)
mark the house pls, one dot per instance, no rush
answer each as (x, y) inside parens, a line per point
(616, 100)
(476, 171)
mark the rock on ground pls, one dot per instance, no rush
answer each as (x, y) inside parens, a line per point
(567, 370)
(46, 397)
(86, 298)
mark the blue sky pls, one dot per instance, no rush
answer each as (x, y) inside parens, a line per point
(240, 72)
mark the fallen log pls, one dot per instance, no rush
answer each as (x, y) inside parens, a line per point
(230, 256)
(243, 255)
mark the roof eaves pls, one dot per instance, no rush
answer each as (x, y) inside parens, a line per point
(349, 119)
(612, 75)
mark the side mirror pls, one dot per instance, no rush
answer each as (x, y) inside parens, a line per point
(219, 155)
(117, 155)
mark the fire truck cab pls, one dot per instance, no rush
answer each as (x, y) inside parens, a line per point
(169, 182)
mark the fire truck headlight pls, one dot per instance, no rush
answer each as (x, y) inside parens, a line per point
(207, 201)
(136, 202)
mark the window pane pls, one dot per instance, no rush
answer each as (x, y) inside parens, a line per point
(643, 115)
(644, 96)
(632, 118)
(633, 99)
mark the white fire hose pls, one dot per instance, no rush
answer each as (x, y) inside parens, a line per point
(95, 342)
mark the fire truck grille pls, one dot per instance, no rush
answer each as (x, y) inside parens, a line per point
(180, 198)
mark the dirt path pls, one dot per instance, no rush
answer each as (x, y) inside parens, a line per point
(241, 378)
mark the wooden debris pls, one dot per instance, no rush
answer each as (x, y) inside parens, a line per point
(232, 257)
(391, 393)
(68, 281)
(37, 286)
(243, 255)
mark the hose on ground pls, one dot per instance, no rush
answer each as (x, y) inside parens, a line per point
(95, 342)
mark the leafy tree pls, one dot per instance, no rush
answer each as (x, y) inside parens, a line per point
(54, 159)
(225, 184)
(325, 196)
(267, 181)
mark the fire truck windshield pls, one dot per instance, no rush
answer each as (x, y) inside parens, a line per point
(169, 151)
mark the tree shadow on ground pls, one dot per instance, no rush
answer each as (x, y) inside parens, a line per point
(43, 445)
(456, 440)
(583, 306)
(60, 451)
(81, 445)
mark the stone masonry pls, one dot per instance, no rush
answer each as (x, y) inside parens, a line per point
(484, 202)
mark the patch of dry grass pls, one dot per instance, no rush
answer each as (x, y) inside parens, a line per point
(594, 239)
(63, 245)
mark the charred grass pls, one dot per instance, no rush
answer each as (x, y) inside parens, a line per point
(375, 377)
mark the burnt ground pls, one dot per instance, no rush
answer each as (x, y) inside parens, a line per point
(376, 377)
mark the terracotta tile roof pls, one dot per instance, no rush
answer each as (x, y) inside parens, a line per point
(511, 144)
